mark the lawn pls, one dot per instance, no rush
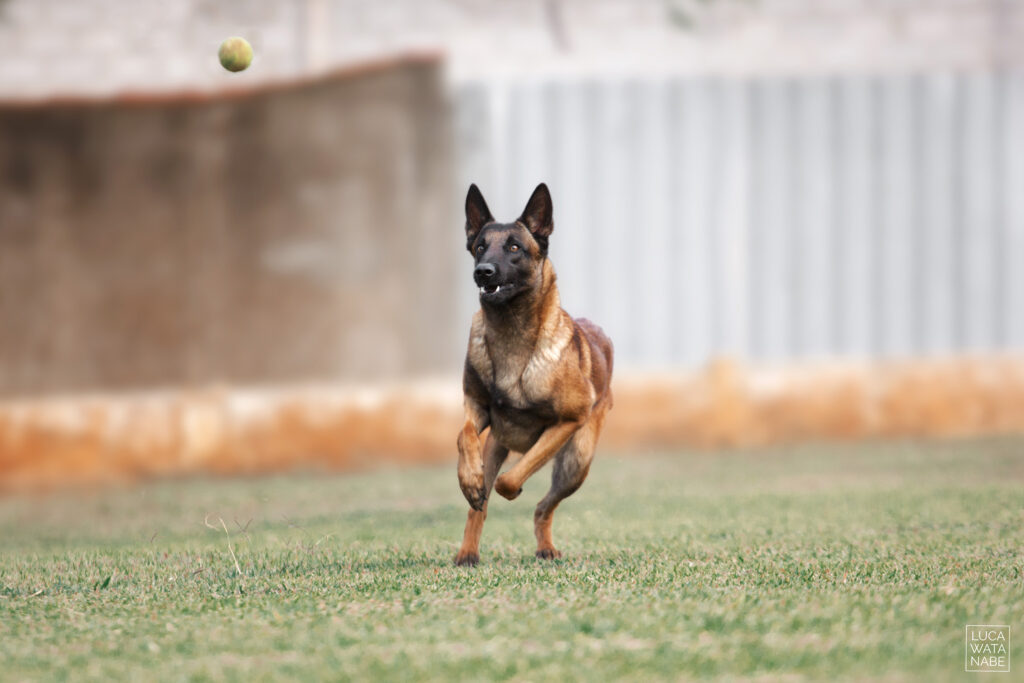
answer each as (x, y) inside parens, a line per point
(817, 562)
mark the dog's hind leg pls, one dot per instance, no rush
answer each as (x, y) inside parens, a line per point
(494, 456)
(570, 469)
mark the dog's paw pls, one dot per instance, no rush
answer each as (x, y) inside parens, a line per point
(467, 559)
(506, 488)
(548, 554)
(472, 485)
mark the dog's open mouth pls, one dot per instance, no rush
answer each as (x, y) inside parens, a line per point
(493, 292)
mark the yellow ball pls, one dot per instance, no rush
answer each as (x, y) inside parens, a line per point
(235, 54)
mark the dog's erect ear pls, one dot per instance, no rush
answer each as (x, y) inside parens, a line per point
(477, 214)
(537, 215)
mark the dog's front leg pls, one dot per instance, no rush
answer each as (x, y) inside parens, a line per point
(510, 484)
(471, 464)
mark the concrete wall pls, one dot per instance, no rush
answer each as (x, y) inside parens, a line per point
(296, 232)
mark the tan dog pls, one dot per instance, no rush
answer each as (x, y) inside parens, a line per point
(535, 377)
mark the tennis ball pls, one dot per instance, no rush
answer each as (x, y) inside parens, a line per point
(235, 54)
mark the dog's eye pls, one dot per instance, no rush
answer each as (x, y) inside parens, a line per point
(514, 247)
(480, 249)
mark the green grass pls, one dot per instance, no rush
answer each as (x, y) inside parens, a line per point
(817, 562)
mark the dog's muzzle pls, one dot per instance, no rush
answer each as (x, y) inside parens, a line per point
(484, 274)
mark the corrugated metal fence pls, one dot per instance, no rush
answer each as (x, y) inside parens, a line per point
(769, 219)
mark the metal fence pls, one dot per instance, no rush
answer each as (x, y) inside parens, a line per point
(769, 218)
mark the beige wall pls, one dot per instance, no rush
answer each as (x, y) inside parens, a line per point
(297, 232)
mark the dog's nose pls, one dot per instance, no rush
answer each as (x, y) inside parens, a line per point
(484, 273)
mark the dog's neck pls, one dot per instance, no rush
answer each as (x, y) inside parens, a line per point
(514, 327)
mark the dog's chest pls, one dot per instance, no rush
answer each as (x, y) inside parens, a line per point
(517, 423)
(518, 376)
(506, 381)
(518, 415)
(500, 367)
(520, 412)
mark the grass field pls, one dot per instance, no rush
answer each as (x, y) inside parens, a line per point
(817, 562)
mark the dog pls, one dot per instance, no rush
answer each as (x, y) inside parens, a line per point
(536, 379)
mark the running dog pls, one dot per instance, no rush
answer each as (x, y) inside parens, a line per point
(537, 380)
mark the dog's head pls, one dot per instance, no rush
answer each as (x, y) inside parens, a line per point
(509, 257)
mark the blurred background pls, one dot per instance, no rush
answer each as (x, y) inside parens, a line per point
(796, 219)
